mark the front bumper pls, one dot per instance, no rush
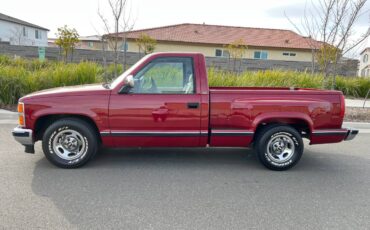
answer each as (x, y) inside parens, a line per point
(351, 133)
(25, 137)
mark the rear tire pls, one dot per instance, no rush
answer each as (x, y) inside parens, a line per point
(279, 147)
(70, 143)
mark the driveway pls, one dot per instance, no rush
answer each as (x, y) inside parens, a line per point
(186, 189)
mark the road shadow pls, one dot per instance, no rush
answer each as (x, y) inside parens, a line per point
(163, 188)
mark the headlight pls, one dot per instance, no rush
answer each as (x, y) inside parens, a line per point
(21, 118)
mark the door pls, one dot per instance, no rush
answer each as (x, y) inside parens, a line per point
(162, 109)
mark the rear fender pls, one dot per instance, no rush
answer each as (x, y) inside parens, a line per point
(282, 117)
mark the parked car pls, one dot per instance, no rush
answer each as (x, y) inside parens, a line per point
(164, 101)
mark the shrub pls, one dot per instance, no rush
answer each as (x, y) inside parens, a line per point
(19, 77)
(350, 86)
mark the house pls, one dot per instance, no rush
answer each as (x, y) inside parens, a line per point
(93, 42)
(211, 40)
(19, 32)
(364, 70)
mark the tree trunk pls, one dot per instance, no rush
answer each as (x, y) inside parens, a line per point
(313, 62)
(124, 53)
(116, 50)
(72, 54)
(333, 85)
(234, 65)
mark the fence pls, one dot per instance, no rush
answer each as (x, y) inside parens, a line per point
(345, 68)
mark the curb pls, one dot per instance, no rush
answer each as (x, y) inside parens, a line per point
(363, 127)
(3, 111)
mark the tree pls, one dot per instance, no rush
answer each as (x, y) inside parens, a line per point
(326, 56)
(146, 43)
(236, 51)
(332, 23)
(121, 19)
(17, 35)
(66, 40)
(127, 25)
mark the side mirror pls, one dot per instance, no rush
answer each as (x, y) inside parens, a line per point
(129, 80)
(129, 84)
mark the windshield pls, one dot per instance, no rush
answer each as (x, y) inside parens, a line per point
(120, 78)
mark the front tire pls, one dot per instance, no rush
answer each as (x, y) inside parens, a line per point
(69, 143)
(279, 147)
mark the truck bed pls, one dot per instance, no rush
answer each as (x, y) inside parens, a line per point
(245, 107)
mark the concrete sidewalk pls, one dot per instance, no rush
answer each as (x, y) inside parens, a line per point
(8, 117)
(357, 103)
(362, 126)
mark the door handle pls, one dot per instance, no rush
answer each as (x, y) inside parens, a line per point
(193, 105)
(163, 110)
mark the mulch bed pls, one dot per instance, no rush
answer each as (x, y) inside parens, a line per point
(9, 107)
(354, 114)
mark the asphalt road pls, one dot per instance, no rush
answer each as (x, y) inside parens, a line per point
(186, 189)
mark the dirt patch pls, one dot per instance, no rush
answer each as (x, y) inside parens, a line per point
(355, 114)
(9, 107)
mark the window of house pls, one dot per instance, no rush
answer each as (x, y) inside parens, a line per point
(291, 54)
(37, 34)
(260, 55)
(165, 76)
(24, 31)
(365, 58)
(124, 46)
(222, 53)
(90, 44)
(225, 54)
(218, 53)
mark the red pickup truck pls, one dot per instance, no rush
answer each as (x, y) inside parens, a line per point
(164, 101)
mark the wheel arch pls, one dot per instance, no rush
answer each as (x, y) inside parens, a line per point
(302, 124)
(44, 121)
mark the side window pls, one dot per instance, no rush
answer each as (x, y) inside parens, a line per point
(222, 53)
(218, 53)
(24, 31)
(260, 55)
(166, 76)
(37, 34)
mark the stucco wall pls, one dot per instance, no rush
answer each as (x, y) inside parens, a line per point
(209, 51)
(92, 45)
(364, 67)
(13, 33)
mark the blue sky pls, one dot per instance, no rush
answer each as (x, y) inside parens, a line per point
(82, 14)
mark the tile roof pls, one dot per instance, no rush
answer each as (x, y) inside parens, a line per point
(7, 18)
(223, 35)
(366, 49)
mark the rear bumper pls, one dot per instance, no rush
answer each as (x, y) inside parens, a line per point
(351, 133)
(23, 136)
(326, 136)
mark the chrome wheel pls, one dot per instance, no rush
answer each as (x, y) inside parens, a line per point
(69, 144)
(280, 148)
